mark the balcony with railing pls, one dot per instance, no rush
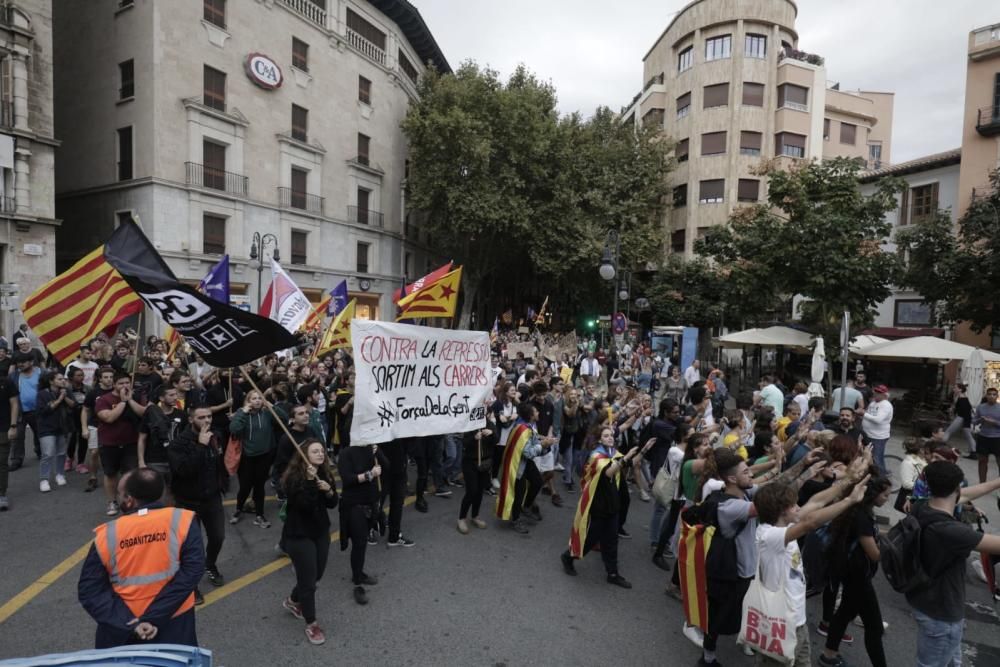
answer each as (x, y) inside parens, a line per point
(303, 201)
(214, 178)
(307, 9)
(369, 50)
(988, 121)
(364, 216)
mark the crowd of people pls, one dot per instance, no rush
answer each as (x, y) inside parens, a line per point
(790, 483)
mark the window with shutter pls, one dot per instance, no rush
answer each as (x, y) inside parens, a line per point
(904, 207)
(300, 123)
(712, 192)
(125, 154)
(214, 88)
(683, 105)
(215, 13)
(681, 195)
(753, 94)
(364, 198)
(213, 234)
(791, 96)
(678, 240)
(408, 69)
(750, 143)
(924, 202)
(682, 150)
(363, 257)
(126, 76)
(300, 54)
(299, 179)
(364, 145)
(713, 143)
(214, 168)
(300, 242)
(364, 90)
(716, 95)
(748, 189)
(848, 133)
(364, 28)
(792, 145)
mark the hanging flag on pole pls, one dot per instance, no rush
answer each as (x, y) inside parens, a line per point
(495, 331)
(339, 300)
(419, 283)
(76, 305)
(315, 320)
(436, 299)
(224, 335)
(215, 284)
(540, 318)
(289, 306)
(338, 335)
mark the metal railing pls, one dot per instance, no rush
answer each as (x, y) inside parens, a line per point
(364, 216)
(308, 9)
(216, 179)
(988, 120)
(368, 49)
(289, 198)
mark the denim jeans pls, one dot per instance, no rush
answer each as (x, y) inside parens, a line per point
(452, 455)
(656, 521)
(53, 454)
(939, 643)
(878, 453)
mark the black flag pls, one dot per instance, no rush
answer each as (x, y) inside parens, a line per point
(225, 336)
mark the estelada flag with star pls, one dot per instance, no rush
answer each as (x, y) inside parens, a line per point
(435, 299)
(338, 334)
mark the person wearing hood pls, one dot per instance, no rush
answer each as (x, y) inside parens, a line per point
(253, 424)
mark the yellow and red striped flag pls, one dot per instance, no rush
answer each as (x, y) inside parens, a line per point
(519, 436)
(314, 321)
(75, 306)
(338, 334)
(588, 488)
(692, 551)
(436, 299)
(173, 341)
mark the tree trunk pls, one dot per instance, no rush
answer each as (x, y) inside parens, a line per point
(471, 289)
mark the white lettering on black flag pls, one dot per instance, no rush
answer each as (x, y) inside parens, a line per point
(413, 381)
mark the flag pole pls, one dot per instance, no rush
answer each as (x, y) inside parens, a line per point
(138, 342)
(274, 414)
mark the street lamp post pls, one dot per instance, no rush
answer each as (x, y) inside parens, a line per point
(257, 246)
(609, 269)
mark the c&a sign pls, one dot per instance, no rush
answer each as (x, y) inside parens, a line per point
(263, 71)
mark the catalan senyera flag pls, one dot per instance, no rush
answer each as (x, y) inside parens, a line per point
(76, 305)
(314, 321)
(338, 334)
(692, 550)
(592, 472)
(518, 438)
(436, 299)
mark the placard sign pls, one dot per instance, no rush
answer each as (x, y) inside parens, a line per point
(414, 381)
(527, 349)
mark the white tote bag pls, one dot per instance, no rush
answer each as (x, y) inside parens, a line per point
(765, 626)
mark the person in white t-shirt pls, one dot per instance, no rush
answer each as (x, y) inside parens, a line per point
(781, 523)
(85, 362)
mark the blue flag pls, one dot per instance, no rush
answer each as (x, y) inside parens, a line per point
(338, 299)
(215, 284)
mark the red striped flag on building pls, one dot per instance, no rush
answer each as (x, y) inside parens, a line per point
(75, 306)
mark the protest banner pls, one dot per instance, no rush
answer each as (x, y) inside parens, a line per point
(414, 381)
(527, 348)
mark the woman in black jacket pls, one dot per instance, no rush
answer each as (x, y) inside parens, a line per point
(310, 493)
(360, 472)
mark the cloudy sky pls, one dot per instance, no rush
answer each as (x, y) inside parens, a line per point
(591, 50)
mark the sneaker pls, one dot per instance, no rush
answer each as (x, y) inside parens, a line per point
(401, 542)
(372, 537)
(619, 580)
(624, 534)
(91, 485)
(495, 483)
(463, 526)
(835, 661)
(67, 466)
(478, 523)
(315, 634)
(214, 576)
(569, 487)
(747, 651)
(519, 527)
(694, 635)
(235, 518)
(885, 624)
(294, 608)
(567, 563)
(644, 496)
(360, 596)
(442, 492)
(420, 505)
(560, 467)
(456, 482)
(490, 491)
(366, 580)
(261, 522)
(4, 504)
(43, 486)
(60, 480)
(82, 469)
(823, 629)
(112, 508)
(199, 599)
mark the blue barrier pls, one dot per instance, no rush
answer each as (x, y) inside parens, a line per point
(151, 655)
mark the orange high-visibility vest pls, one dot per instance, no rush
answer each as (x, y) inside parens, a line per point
(142, 553)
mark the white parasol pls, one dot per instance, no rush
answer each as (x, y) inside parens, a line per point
(818, 369)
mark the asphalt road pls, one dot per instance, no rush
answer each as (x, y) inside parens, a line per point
(488, 598)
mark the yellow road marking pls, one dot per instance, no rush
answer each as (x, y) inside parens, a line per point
(43, 582)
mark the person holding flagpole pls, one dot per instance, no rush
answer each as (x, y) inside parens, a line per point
(596, 520)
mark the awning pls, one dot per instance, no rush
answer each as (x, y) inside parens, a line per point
(776, 336)
(903, 332)
(921, 348)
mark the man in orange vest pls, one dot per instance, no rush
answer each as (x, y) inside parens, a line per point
(138, 579)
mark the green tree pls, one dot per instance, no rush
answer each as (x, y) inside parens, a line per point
(522, 198)
(957, 268)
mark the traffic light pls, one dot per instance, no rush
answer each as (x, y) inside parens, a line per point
(591, 324)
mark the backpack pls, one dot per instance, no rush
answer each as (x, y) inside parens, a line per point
(815, 561)
(721, 563)
(900, 554)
